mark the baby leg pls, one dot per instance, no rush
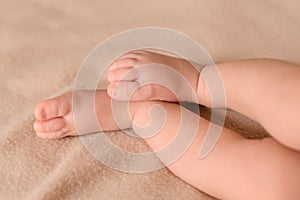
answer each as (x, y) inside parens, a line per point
(267, 91)
(262, 89)
(237, 168)
(266, 169)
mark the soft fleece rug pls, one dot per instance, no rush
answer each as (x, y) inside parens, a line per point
(42, 44)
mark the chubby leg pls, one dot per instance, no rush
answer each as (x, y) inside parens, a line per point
(237, 168)
(265, 90)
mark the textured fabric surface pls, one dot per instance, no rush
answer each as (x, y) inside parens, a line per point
(42, 44)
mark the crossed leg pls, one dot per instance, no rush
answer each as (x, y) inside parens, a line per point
(262, 89)
(237, 168)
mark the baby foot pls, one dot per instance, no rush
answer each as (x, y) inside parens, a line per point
(127, 74)
(54, 117)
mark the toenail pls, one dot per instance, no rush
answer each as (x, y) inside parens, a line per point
(43, 114)
(110, 76)
(40, 114)
(35, 126)
(112, 66)
(110, 89)
(39, 134)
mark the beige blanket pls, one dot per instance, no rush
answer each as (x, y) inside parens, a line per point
(42, 44)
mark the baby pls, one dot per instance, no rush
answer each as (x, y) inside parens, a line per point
(265, 90)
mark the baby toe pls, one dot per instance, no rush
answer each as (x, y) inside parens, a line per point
(49, 125)
(51, 108)
(133, 54)
(39, 112)
(131, 90)
(123, 63)
(51, 136)
(123, 74)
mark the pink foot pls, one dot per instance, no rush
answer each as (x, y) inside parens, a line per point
(126, 74)
(54, 117)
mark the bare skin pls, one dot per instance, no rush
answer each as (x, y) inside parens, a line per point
(130, 61)
(260, 169)
(261, 89)
(54, 117)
